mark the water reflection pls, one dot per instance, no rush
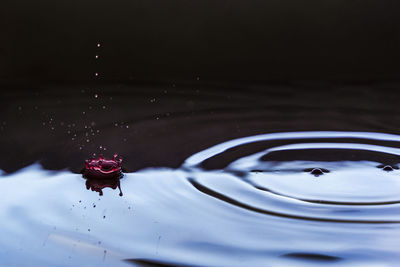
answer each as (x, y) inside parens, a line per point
(280, 187)
(99, 184)
(273, 213)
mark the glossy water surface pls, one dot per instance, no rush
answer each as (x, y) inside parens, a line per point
(251, 201)
(214, 175)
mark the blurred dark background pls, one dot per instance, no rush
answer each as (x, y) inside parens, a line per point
(219, 40)
(175, 77)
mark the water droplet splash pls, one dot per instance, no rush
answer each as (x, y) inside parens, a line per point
(101, 173)
(305, 198)
(103, 168)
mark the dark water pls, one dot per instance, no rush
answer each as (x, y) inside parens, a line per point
(215, 175)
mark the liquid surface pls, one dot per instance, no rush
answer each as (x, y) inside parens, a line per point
(274, 176)
(253, 209)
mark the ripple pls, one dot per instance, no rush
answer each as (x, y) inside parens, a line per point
(343, 177)
(312, 257)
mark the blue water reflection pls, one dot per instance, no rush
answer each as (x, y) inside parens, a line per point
(231, 216)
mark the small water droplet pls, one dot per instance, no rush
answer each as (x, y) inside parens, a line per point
(316, 171)
(388, 168)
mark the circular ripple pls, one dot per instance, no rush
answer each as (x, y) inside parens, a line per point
(347, 177)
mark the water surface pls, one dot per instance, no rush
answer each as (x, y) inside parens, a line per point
(213, 177)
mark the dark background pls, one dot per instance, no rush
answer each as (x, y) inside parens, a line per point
(186, 75)
(218, 40)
